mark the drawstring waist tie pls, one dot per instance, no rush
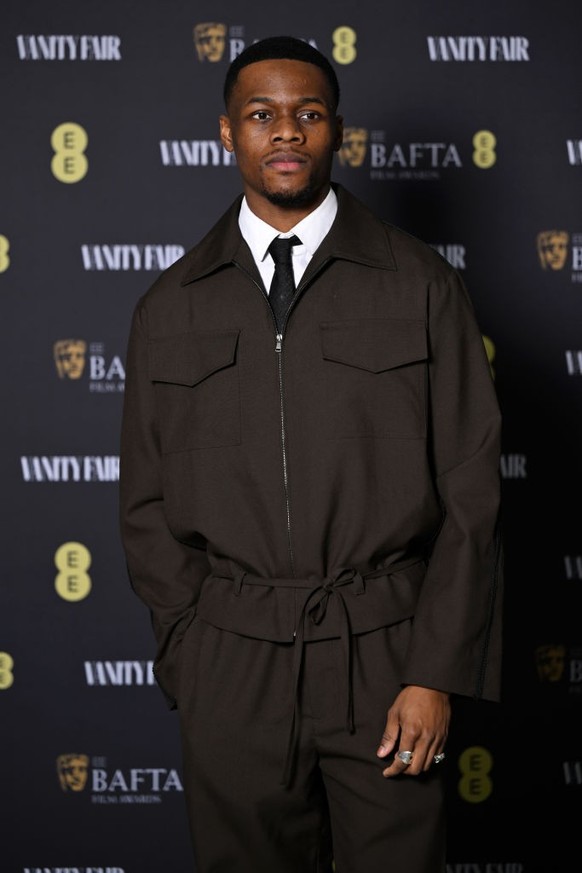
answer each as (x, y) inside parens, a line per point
(345, 586)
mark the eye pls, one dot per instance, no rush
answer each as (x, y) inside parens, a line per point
(310, 115)
(260, 115)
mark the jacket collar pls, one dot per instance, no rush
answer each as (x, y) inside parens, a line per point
(356, 235)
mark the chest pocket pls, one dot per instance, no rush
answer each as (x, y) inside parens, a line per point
(197, 389)
(375, 377)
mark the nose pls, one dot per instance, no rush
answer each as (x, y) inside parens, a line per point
(287, 129)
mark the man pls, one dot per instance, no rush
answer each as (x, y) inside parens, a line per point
(309, 503)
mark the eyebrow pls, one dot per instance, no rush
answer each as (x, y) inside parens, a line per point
(301, 101)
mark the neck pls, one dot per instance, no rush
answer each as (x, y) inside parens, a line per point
(282, 218)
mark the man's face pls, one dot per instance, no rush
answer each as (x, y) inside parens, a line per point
(282, 127)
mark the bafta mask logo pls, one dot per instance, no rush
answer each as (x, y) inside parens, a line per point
(550, 661)
(552, 248)
(210, 39)
(73, 771)
(69, 355)
(353, 148)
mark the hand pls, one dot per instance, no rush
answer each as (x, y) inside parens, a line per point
(418, 722)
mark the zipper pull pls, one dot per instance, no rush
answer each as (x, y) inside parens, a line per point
(279, 342)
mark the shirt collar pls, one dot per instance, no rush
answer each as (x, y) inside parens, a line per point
(311, 230)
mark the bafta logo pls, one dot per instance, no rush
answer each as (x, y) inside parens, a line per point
(550, 660)
(73, 771)
(69, 355)
(552, 248)
(210, 39)
(353, 148)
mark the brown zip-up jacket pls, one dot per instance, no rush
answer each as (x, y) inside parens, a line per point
(348, 470)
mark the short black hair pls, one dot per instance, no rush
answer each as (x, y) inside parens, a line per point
(280, 48)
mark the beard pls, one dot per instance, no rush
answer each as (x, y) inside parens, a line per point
(293, 199)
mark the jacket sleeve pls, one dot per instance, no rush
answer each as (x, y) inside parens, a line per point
(165, 573)
(457, 630)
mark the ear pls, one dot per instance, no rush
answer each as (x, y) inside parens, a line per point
(339, 132)
(226, 133)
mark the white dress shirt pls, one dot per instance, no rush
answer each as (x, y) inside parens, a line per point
(311, 230)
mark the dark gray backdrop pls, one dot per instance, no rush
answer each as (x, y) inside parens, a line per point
(80, 242)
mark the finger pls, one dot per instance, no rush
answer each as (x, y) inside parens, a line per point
(402, 764)
(386, 745)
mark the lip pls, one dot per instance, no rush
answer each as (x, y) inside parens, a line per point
(286, 161)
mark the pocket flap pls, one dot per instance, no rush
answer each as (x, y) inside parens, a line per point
(189, 358)
(374, 344)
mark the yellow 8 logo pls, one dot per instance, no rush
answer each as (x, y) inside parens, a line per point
(73, 582)
(4, 256)
(344, 48)
(475, 784)
(69, 141)
(6, 674)
(484, 143)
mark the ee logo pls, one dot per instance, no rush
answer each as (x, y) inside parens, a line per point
(484, 143)
(475, 783)
(344, 45)
(69, 141)
(4, 256)
(6, 674)
(72, 582)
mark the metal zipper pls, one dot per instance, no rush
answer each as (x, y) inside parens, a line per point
(279, 352)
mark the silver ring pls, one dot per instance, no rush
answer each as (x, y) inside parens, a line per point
(405, 757)
(438, 758)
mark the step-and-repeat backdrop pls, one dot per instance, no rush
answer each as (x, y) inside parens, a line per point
(464, 126)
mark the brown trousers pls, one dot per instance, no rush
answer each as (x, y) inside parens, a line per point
(338, 812)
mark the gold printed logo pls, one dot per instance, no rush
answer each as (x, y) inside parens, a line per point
(6, 671)
(69, 142)
(490, 351)
(550, 662)
(73, 582)
(73, 770)
(552, 248)
(353, 148)
(210, 39)
(69, 357)
(344, 45)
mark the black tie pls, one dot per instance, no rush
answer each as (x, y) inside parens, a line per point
(283, 284)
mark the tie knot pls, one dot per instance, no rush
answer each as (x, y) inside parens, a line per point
(280, 248)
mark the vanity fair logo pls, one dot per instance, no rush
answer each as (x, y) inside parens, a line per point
(68, 47)
(78, 774)
(195, 153)
(478, 48)
(574, 147)
(77, 360)
(73, 870)
(129, 256)
(454, 253)
(69, 468)
(573, 566)
(485, 867)
(513, 466)
(119, 673)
